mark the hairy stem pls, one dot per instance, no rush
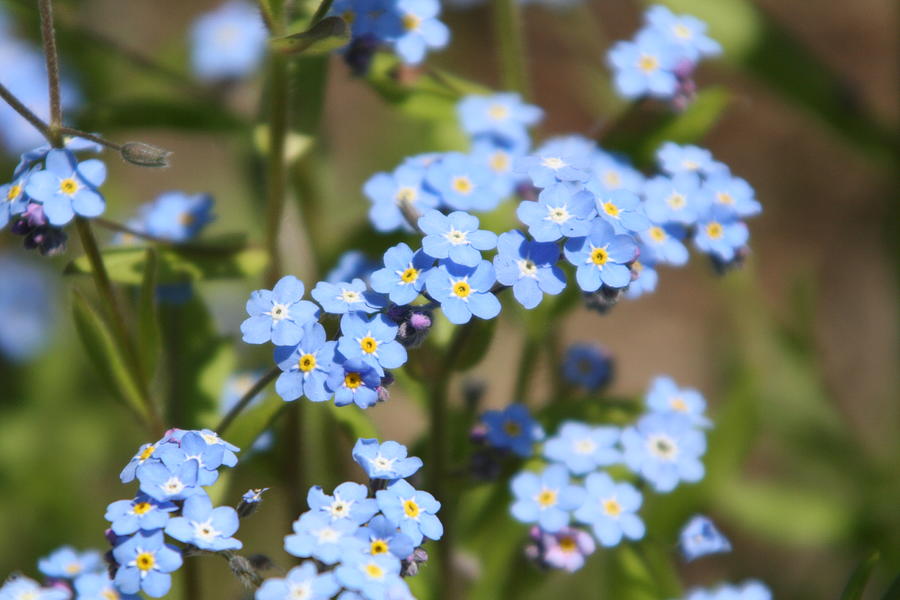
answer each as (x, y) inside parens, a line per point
(90, 136)
(246, 399)
(51, 56)
(508, 27)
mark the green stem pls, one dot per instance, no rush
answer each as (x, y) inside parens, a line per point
(530, 352)
(51, 57)
(276, 175)
(508, 28)
(246, 399)
(26, 114)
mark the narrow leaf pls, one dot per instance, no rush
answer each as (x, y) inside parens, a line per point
(323, 37)
(148, 321)
(860, 577)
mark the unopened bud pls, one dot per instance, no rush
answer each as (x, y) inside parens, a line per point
(145, 155)
(244, 570)
(250, 502)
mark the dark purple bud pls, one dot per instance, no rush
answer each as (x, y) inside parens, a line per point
(409, 567)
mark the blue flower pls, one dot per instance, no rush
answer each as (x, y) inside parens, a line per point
(354, 381)
(499, 159)
(305, 366)
(610, 507)
(464, 291)
(145, 563)
(27, 308)
(192, 447)
(665, 396)
(582, 448)
(512, 429)
(749, 590)
(68, 563)
(371, 576)
(98, 586)
(161, 483)
(529, 267)
(351, 265)
(279, 315)
(229, 459)
(462, 183)
(500, 115)
(13, 199)
(559, 212)
(372, 341)
(380, 536)
(402, 277)
(19, 587)
(620, 208)
(645, 281)
(676, 198)
(421, 29)
(662, 243)
(553, 163)
(342, 297)
(318, 536)
(674, 159)
(731, 193)
(588, 366)
(601, 257)
(303, 582)
(384, 461)
(612, 173)
(664, 449)
(546, 499)
(700, 537)
(388, 192)
(720, 234)
(349, 502)
(685, 32)
(412, 510)
(66, 187)
(178, 216)
(206, 527)
(228, 42)
(144, 512)
(144, 454)
(644, 66)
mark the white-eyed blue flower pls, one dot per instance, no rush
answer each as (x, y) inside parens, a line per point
(664, 449)
(144, 512)
(342, 297)
(503, 115)
(162, 483)
(412, 510)
(547, 498)
(303, 582)
(192, 447)
(677, 198)
(644, 66)
(403, 275)
(318, 536)
(372, 341)
(528, 267)
(349, 501)
(582, 448)
(279, 315)
(552, 164)
(145, 562)
(610, 509)
(67, 188)
(464, 291)
(305, 367)
(665, 396)
(700, 537)
(389, 192)
(601, 257)
(206, 527)
(559, 212)
(685, 32)
(386, 460)
(512, 429)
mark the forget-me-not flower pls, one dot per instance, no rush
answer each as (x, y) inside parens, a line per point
(318, 536)
(420, 29)
(67, 188)
(528, 267)
(13, 199)
(677, 198)
(503, 115)
(674, 159)
(381, 536)
(685, 32)
(664, 396)
(68, 563)
(612, 172)
(403, 275)
(462, 183)
(389, 192)
(719, 233)
(552, 164)
(177, 216)
(306, 366)
(512, 429)
(700, 537)
(206, 527)
(412, 510)
(464, 291)
(587, 366)
(662, 244)
(145, 562)
(546, 498)
(228, 42)
(19, 587)
(387, 460)
(664, 448)
(342, 297)
(349, 501)
(620, 208)
(96, 586)
(582, 448)
(372, 341)
(162, 483)
(278, 315)
(610, 508)
(644, 66)
(559, 212)
(601, 257)
(373, 576)
(303, 582)
(353, 381)
(143, 512)
(731, 193)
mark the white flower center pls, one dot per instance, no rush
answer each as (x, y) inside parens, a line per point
(527, 268)
(553, 162)
(205, 531)
(584, 446)
(300, 591)
(456, 237)
(662, 447)
(558, 214)
(340, 508)
(382, 463)
(173, 486)
(279, 312)
(350, 296)
(327, 535)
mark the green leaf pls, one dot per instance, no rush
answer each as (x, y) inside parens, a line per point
(148, 321)
(102, 349)
(479, 334)
(860, 577)
(328, 34)
(192, 115)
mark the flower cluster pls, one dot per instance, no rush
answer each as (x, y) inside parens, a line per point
(661, 59)
(366, 544)
(172, 473)
(70, 575)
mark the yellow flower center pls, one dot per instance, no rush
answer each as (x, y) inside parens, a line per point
(68, 186)
(648, 63)
(499, 162)
(599, 256)
(512, 428)
(714, 231)
(145, 561)
(678, 404)
(411, 509)
(368, 344)
(612, 179)
(546, 498)
(409, 275)
(142, 508)
(110, 594)
(612, 507)
(567, 544)
(553, 162)
(147, 453)
(725, 198)
(378, 547)
(611, 209)
(637, 267)
(73, 568)
(657, 234)
(307, 363)
(498, 112)
(682, 31)
(462, 289)
(13, 192)
(411, 22)
(462, 185)
(374, 571)
(676, 201)
(352, 380)
(405, 194)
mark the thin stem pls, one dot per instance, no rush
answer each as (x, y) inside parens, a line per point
(508, 27)
(268, 16)
(90, 136)
(276, 176)
(245, 400)
(20, 108)
(321, 11)
(51, 56)
(530, 351)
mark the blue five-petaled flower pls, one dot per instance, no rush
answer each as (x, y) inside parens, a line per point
(67, 188)
(278, 315)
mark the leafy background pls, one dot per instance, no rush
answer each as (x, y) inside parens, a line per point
(796, 353)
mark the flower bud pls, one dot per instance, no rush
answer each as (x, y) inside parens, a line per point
(250, 502)
(145, 155)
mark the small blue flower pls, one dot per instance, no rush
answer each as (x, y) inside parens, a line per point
(278, 315)
(163, 484)
(720, 234)
(412, 510)
(371, 576)
(512, 429)
(385, 461)
(645, 282)
(353, 381)
(588, 366)
(228, 42)
(462, 183)
(674, 159)
(145, 563)
(749, 590)
(421, 30)
(192, 447)
(19, 587)
(342, 297)
(499, 159)
(553, 164)
(546, 499)
(601, 257)
(731, 193)
(620, 208)
(144, 512)
(529, 267)
(229, 458)
(403, 275)
(464, 291)
(685, 32)
(352, 264)
(677, 198)
(559, 212)
(610, 507)
(644, 66)
(504, 116)
(388, 192)
(582, 448)
(665, 396)
(177, 216)
(68, 563)
(303, 582)
(700, 537)
(380, 536)
(612, 172)
(67, 188)
(317, 536)
(349, 502)
(662, 243)
(372, 341)
(664, 449)
(144, 455)
(13, 199)
(206, 527)
(97, 586)
(305, 367)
